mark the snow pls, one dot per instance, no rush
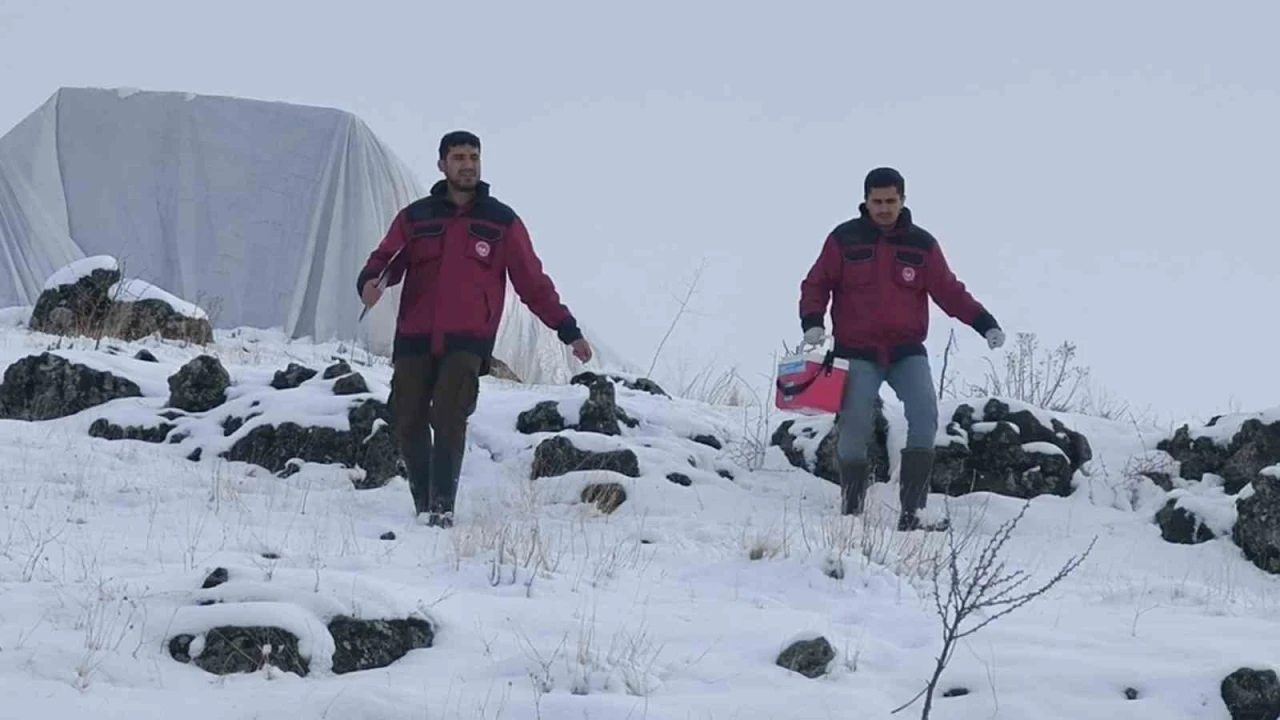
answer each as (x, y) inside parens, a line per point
(1225, 427)
(674, 606)
(132, 290)
(15, 317)
(1273, 471)
(72, 272)
(1208, 501)
(1043, 448)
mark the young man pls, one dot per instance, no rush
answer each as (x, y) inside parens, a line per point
(878, 271)
(454, 250)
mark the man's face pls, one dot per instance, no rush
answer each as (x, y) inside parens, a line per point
(884, 204)
(461, 167)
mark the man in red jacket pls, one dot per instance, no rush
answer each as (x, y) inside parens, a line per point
(454, 250)
(878, 272)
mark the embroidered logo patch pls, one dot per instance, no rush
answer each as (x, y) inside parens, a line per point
(909, 274)
(482, 248)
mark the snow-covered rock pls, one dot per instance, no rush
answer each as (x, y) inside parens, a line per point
(48, 386)
(90, 297)
(810, 443)
(1257, 528)
(1007, 448)
(1238, 447)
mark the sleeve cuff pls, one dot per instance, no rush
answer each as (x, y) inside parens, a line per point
(810, 321)
(568, 331)
(984, 323)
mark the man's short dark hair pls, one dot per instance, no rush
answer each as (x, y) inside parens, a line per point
(457, 138)
(884, 177)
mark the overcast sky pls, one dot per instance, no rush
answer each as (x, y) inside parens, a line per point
(1095, 171)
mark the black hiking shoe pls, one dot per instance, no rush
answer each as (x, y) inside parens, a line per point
(909, 521)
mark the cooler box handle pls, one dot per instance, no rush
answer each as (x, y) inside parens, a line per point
(828, 363)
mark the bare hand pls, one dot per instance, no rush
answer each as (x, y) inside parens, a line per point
(581, 350)
(371, 293)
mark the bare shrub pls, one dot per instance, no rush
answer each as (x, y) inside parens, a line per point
(982, 588)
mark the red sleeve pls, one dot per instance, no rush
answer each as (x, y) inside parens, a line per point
(534, 287)
(819, 284)
(951, 295)
(395, 239)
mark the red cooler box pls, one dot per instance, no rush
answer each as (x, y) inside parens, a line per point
(811, 383)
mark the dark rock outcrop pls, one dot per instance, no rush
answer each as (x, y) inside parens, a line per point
(1179, 525)
(606, 496)
(75, 308)
(1014, 454)
(102, 428)
(680, 479)
(273, 446)
(558, 456)
(358, 645)
(292, 376)
(710, 441)
(599, 414)
(639, 384)
(600, 411)
(369, 644)
(145, 355)
(808, 657)
(136, 319)
(336, 370)
(1257, 529)
(352, 384)
(1251, 694)
(827, 465)
(90, 307)
(48, 386)
(543, 417)
(215, 578)
(229, 650)
(200, 385)
(1254, 446)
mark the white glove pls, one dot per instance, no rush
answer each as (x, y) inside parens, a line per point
(995, 338)
(814, 336)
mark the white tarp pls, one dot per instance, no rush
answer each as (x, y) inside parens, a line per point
(262, 213)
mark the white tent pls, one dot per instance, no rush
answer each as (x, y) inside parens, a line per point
(260, 212)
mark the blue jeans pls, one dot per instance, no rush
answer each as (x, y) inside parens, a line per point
(911, 379)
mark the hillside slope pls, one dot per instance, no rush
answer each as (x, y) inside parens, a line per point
(539, 603)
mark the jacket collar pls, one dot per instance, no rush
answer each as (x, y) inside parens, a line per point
(441, 189)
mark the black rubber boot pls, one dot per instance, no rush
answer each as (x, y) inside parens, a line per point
(853, 486)
(913, 491)
(446, 466)
(418, 465)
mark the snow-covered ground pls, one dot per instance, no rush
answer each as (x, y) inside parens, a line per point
(674, 606)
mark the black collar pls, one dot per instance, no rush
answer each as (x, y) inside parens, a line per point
(441, 189)
(904, 223)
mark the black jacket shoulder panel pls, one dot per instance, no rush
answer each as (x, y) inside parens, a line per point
(918, 238)
(490, 209)
(853, 232)
(428, 208)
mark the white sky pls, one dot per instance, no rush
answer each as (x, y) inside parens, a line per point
(1096, 171)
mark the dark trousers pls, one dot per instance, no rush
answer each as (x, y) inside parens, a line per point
(432, 400)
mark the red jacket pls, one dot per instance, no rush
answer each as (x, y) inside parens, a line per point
(454, 263)
(879, 284)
